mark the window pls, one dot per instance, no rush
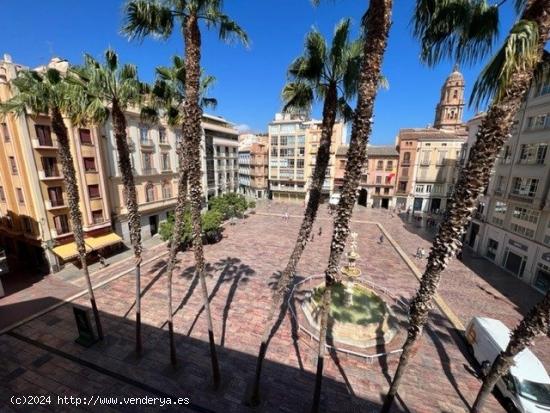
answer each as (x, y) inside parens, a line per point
(378, 179)
(532, 153)
(525, 214)
(165, 158)
(290, 140)
(282, 141)
(20, 197)
(162, 135)
(149, 192)
(425, 158)
(49, 164)
(301, 151)
(274, 152)
(5, 132)
(144, 134)
(273, 128)
(437, 189)
(405, 172)
(299, 163)
(61, 224)
(377, 190)
(379, 165)
(27, 225)
(97, 216)
(166, 190)
(89, 164)
(389, 165)
(506, 154)
(525, 187)
(521, 230)
(499, 185)
(386, 191)
(85, 136)
(419, 188)
(542, 278)
(441, 155)
(44, 135)
(499, 213)
(288, 128)
(147, 163)
(428, 189)
(13, 165)
(55, 194)
(2, 194)
(402, 186)
(492, 247)
(93, 191)
(274, 140)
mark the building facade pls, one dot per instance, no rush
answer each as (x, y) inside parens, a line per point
(382, 165)
(153, 156)
(429, 157)
(253, 167)
(293, 145)
(512, 224)
(35, 222)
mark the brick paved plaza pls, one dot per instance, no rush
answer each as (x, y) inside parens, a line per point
(40, 356)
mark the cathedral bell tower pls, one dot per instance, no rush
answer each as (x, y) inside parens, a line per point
(449, 110)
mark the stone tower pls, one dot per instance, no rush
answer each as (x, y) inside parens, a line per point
(449, 110)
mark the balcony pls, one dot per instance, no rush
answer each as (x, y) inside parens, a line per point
(50, 175)
(521, 198)
(149, 171)
(46, 144)
(54, 204)
(406, 163)
(164, 143)
(146, 143)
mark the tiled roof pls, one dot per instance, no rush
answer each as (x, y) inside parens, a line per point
(342, 150)
(431, 133)
(386, 150)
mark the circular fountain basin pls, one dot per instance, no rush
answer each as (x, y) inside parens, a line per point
(367, 322)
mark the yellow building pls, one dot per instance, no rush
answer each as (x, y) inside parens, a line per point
(35, 218)
(293, 145)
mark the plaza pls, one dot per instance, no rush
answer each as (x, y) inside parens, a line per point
(39, 356)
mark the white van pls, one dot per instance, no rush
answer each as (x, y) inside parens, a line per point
(527, 385)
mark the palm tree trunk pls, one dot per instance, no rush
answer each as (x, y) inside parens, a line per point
(378, 20)
(126, 170)
(73, 198)
(473, 179)
(175, 242)
(192, 131)
(535, 323)
(322, 160)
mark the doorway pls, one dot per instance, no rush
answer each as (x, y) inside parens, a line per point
(473, 235)
(362, 197)
(436, 205)
(385, 203)
(515, 263)
(154, 224)
(417, 206)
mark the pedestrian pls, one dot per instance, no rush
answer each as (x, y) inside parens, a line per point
(417, 255)
(286, 216)
(102, 261)
(422, 253)
(381, 239)
(320, 231)
(312, 237)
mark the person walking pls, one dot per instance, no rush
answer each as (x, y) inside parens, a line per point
(422, 253)
(320, 231)
(417, 255)
(381, 239)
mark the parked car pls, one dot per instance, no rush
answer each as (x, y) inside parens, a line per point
(526, 387)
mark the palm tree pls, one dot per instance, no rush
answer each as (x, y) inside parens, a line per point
(150, 17)
(467, 33)
(46, 92)
(319, 74)
(166, 100)
(535, 323)
(109, 89)
(376, 24)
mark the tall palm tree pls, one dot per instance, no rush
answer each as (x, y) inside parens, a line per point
(376, 22)
(166, 100)
(466, 33)
(109, 89)
(46, 92)
(323, 74)
(151, 17)
(535, 323)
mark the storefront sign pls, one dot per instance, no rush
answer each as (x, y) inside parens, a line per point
(518, 245)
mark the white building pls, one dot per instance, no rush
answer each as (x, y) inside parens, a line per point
(512, 224)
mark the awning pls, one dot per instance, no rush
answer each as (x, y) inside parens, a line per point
(68, 251)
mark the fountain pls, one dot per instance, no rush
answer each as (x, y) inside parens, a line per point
(358, 317)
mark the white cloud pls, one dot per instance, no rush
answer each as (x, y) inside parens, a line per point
(243, 127)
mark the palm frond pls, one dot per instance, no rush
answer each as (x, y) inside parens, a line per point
(297, 96)
(519, 51)
(149, 114)
(345, 110)
(383, 83)
(464, 30)
(147, 17)
(339, 43)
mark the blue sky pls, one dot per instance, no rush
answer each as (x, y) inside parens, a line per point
(249, 80)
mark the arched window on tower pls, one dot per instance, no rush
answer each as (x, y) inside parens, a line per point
(452, 114)
(455, 94)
